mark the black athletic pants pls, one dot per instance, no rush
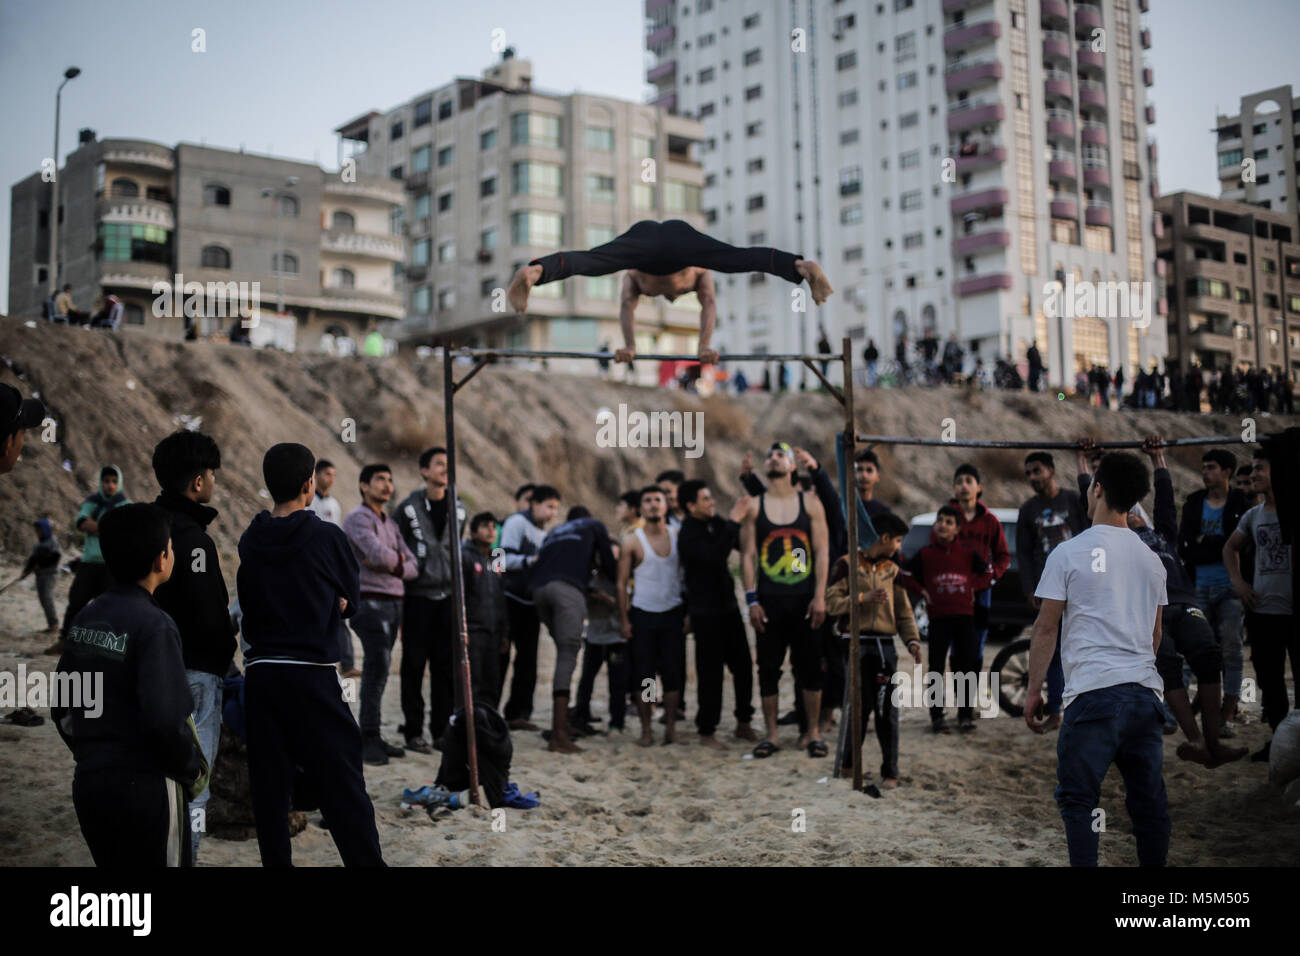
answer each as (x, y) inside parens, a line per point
(832, 678)
(787, 626)
(1272, 638)
(295, 717)
(90, 581)
(1188, 636)
(662, 248)
(428, 631)
(955, 631)
(879, 661)
(131, 818)
(720, 639)
(484, 662)
(521, 620)
(615, 658)
(658, 644)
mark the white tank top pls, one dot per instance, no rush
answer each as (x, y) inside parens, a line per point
(657, 581)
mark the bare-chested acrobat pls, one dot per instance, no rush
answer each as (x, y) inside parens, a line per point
(670, 259)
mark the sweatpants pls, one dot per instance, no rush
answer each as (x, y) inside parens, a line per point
(484, 660)
(132, 818)
(296, 717)
(563, 609)
(90, 581)
(615, 659)
(832, 674)
(427, 640)
(879, 661)
(1272, 638)
(955, 631)
(787, 627)
(720, 639)
(45, 581)
(657, 641)
(1188, 637)
(523, 626)
(662, 248)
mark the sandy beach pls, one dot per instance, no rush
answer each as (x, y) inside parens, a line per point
(982, 800)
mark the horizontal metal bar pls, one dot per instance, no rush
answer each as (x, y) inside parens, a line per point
(530, 353)
(976, 443)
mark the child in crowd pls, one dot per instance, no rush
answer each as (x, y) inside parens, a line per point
(44, 561)
(485, 607)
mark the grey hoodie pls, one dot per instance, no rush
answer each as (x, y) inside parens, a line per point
(433, 553)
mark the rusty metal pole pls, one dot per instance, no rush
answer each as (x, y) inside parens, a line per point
(466, 694)
(851, 519)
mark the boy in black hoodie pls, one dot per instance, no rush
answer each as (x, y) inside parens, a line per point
(132, 737)
(185, 464)
(297, 576)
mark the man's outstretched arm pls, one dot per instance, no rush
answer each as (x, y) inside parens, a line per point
(707, 294)
(628, 297)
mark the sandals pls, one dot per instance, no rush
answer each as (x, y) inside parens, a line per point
(24, 717)
(765, 749)
(817, 748)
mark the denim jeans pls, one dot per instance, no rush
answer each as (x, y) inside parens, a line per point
(376, 624)
(1123, 725)
(1222, 609)
(207, 692)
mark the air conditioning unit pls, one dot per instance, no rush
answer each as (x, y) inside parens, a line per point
(485, 255)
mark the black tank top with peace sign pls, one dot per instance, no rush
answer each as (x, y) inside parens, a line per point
(784, 553)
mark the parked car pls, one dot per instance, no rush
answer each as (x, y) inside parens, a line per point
(1009, 613)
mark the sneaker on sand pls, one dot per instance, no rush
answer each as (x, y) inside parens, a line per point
(418, 745)
(392, 749)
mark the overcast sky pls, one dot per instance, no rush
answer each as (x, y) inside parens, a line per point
(278, 77)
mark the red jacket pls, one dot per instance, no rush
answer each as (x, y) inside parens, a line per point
(984, 535)
(952, 573)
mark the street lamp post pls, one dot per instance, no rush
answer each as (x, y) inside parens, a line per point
(68, 74)
(289, 183)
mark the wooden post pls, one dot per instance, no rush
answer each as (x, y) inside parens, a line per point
(465, 693)
(851, 516)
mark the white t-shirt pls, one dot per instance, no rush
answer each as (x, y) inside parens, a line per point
(1272, 560)
(327, 509)
(1111, 584)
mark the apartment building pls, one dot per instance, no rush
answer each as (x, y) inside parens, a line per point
(945, 161)
(498, 172)
(1234, 284)
(1257, 151)
(316, 245)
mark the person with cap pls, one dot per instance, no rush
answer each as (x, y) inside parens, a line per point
(17, 414)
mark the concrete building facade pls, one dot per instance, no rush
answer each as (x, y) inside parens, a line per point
(1257, 151)
(945, 161)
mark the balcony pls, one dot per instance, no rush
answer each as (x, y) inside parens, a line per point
(378, 189)
(1062, 170)
(982, 159)
(964, 117)
(1144, 6)
(1151, 114)
(131, 152)
(134, 274)
(1158, 226)
(1095, 133)
(1086, 19)
(417, 181)
(1092, 93)
(969, 75)
(960, 36)
(1089, 59)
(1056, 11)
(652, 6)
(370, 301)
(1064, 208)
(1155, 188)
(363, 245)
(988, 283)
(1162, 267)
(1145, 37)
(1056, 45)
(140, 212)
(1098, 212)
(1060, 124)
(1210, 341)
(1096, 176)
(667, 101)
(981, 242)
(1152, 152)
(664, 34)
(1148, 76)
(662, 70)
(950, 5)
(1058, 83)
(984, 199)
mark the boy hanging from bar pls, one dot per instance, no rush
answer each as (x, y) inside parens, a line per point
(670, 259)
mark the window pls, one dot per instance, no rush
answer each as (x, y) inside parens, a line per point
(1268, 265)
(753, 56)
(906, 80)
(395, 131)
(444, 202)
(1230, 158)
(853, 254)
(536, 129)
(397, 172)
(290, 264)
(848, 98)
(750, 21)
(1271, 301)
(902, 5)
(445, 155)
(487, 287)
(1213, 288)
(420, 252)
(487, 140)
(487, 239)
(134, 314)
(913, 240)
(754, 92)
(754, 129)
(706, 75)
(848, 136)
(422, 207)
(602, 287)
(846, 61)
(643, 147)
(444, 110)
(910, 199)
(446, 299)
(422, 300)
(707, 109)
(908, 119)
(343, 278)
(1242, 295)
(1240, 258)
(423, 113)
(1292, 268)
(600, 140)
(124, 189)
(681, 197)
(754, 165)
(600, 188)
(487, 187)
(905, 46)
(1293, 303)
(127, 243)
(599, 235)
(214, 195)
(343, 220)
(537, 179)
(214, 257)
(643, 196)
(851, 214)
(420, 159)
(754, 202)
(706, 39)
(850, 180)
(289, 206)
(533, 228)
(1258, 128)
(909, 159)
(447, 251)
